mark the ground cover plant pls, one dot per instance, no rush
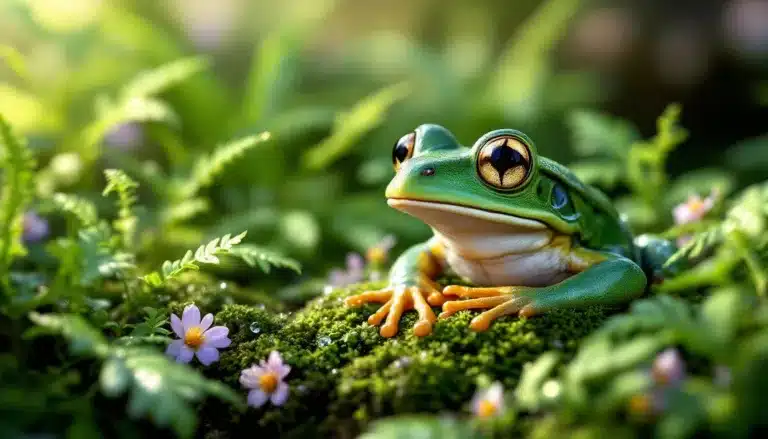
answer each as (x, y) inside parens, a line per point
(177, 237)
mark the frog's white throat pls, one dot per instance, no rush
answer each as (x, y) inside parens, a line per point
(478, 234)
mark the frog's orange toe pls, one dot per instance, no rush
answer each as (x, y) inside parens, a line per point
(388, 330)
(422, 328)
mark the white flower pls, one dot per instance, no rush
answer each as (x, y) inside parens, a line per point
(196, 337)
(693, 209)
(489, 402)
(266, 381)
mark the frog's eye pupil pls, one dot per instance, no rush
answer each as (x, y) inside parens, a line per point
(403, 149)
(559, 197)
(504, 162)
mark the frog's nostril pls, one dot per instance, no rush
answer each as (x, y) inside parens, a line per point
(428, 171)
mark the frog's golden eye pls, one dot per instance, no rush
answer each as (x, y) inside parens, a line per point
(403, 149)
(504, 162)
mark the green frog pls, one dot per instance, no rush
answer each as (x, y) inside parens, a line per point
(521, 228)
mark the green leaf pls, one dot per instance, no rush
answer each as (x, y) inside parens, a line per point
(264, 258)
(601, 172)
(28, 113)
(136, 109)
(350, 127)
(526, 62)
(300, 229)
(721, 314)
(99, 261)
(77, 207)
(84, 339)
(183, 211)
(125, 187)
(207, 168)
(14, 60)
(699, 182)
(751, 154)
(160, 389)
(528, 392)
(18, 166)
(159, 79)
(205, 254)
(420, 426)
(596, 133)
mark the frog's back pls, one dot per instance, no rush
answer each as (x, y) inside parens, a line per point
(603, 228)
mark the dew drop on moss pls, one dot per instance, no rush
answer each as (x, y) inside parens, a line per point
(255, 328)
(324, 341)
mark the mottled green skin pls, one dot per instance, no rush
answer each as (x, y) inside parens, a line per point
(589, 218)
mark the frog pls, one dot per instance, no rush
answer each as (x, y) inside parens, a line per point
(521, 230)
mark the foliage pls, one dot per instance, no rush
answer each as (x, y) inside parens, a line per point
(137, 134)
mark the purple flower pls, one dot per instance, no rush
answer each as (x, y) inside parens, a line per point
(354, 273)
(668, 368)
(126, 136)
(35, 227)
(196, 337)
(266, 381)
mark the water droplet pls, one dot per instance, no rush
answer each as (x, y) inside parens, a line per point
(328, 289)
(334, 371)
(401, 362)
(324, 341)
(223, 286)
(260, 306)
(301, 388)
(551, 389)
(255, 328)
(557, 344)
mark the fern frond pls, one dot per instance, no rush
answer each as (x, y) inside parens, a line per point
(209, 167)
(79, 208)
(697, 245)
(205, 254)
(159, 79)
(84, 339)
(18, 166)
(125, 187)
(183, 211)
(265, 258)
(99, 261)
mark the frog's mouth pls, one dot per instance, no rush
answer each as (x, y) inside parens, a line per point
(478, 233)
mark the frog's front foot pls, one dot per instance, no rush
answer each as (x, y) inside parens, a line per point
(500, 301)
(398, 299)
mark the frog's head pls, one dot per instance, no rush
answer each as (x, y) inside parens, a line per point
(497, 184)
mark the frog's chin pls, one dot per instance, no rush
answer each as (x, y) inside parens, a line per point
(477, 233)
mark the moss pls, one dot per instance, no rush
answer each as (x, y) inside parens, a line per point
(344, 374)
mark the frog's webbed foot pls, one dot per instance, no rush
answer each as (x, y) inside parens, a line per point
(398, 299)
(500, 301)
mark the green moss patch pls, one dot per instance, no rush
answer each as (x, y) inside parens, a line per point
(344, 374)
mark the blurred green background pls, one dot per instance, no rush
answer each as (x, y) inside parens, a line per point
(337, 82)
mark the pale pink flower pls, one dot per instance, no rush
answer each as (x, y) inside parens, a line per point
(668, 368)
(694, 208)
(489, 402)
(196, 337)
(266, 381)
(354, 273)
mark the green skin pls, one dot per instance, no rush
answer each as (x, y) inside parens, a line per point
(617, 266)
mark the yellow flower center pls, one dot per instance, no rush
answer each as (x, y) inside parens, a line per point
(268, 382)
(194, 337)
(640, 405)
(696, 205)
(376, 255)
(486, 409)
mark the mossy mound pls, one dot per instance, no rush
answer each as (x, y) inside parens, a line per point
(344, 374)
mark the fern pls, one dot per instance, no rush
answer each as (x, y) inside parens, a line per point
(646, 160)
(205, 254)
(352, 126)
(98, 259)
(18, 168)
(209, 167)
(160, 389)
(125, 187)
(264, 258)
(157, 80)
(77, 207)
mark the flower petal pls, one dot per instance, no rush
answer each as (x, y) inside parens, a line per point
(216, 332)
(250, 377)
(174, 348)
(207, 355)
(185, 354)
(256, 398)
(206, 322)
(190, 317)
(218, 343)
(282, 370)
(177, 326)
(275, 361)
(280, 395)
